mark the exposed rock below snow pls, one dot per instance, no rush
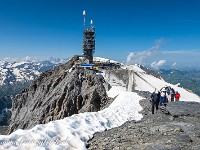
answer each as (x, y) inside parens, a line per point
(158, 131)
(178, 109)
(150, 72)
(57, 94)
(3, 130)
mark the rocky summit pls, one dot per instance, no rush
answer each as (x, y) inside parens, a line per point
(176, 127)
(57, 94)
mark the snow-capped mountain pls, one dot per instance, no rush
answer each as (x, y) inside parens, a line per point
(23, 70)
(17, 74)
(73, 132)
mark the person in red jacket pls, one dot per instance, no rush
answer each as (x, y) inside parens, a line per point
(177, 96)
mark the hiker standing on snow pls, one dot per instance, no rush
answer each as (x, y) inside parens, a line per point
(155, 98)
(177, 96)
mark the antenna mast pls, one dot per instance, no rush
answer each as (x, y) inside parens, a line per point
(91, 23)
(88, 41)
(84, 15)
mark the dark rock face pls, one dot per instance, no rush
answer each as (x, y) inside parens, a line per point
(5, 102)
(155, 132)
(57, 94)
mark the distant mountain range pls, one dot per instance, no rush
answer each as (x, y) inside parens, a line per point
(187, 79)
(16, 74)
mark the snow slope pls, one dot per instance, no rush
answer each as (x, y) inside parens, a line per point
(147, 82)
(74, 132)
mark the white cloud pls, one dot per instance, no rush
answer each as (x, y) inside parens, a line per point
(182, 57)
(130, 56)
(158, 64)
(141, 57)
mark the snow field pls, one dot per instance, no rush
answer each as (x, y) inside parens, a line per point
(74, 132)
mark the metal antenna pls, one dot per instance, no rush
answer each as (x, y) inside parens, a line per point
(91, 23)
(84, 15)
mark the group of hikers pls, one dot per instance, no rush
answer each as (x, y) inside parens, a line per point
(163, 96)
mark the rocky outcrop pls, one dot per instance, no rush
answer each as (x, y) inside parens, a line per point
(179, 129)
(57, 94)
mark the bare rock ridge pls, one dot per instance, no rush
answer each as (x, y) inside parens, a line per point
(178, 128)
(56, 94)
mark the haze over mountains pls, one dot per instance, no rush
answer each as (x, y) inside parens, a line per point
(189, 79)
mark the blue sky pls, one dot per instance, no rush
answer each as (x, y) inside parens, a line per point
(145, 31)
